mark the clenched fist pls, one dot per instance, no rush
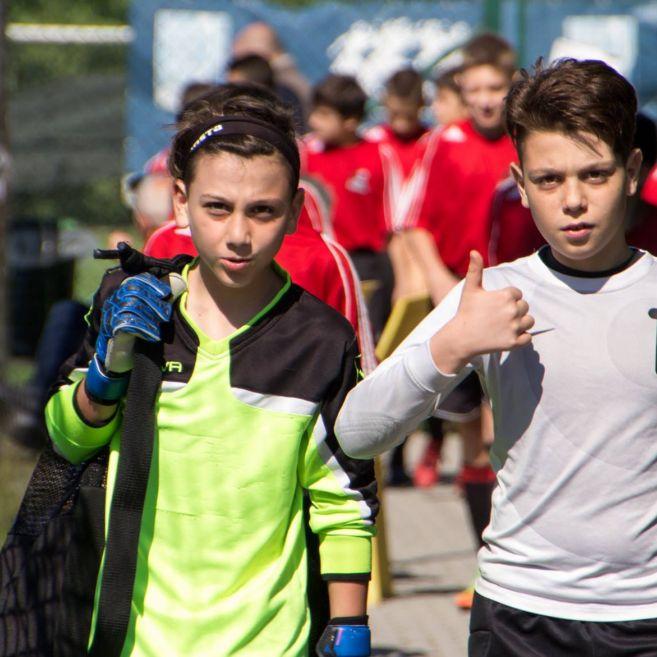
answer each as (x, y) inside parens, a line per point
(485, 322)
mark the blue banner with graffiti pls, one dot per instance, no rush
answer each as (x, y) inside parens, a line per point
(182, 41)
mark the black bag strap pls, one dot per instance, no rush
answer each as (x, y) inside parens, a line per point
(128, 502)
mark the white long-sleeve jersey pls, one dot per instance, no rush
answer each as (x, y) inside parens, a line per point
(573, 532)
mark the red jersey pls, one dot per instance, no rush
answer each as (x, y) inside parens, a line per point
(314, 262)
(356, 180)
(403, 162)
(461, 182)
(649, 191)
(513, 233)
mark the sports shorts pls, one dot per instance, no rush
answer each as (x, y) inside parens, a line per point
(497, 630)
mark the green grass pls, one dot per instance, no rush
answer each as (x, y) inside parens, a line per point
(16, 465)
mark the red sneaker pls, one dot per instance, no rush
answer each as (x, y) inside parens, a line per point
(465, 598)
(426, 472)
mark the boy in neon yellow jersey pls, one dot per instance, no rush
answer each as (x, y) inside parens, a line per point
(255, 372)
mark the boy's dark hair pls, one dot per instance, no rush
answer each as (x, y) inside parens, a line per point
(250, 101)
(341, 93)
(190, 93)
(573, 97)
(491, 50)
(407, 84)
(645, 138)
(448, 80)
(254, 68)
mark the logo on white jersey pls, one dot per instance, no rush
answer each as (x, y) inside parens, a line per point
(359, 183)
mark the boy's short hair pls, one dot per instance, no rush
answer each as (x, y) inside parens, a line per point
(191, 92)
(341, 93)
(645, 139)
(488, 49)
(254, 68)
(448, 80)
(250, 101)
(406, 84)
(574, 97)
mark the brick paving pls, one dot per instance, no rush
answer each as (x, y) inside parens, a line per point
(432, 557)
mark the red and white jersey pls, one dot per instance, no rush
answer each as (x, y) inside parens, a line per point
(513, 233)
(461, 181)
(314, 261)
(405, 164)
(356, 179)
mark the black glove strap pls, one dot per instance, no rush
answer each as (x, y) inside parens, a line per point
(349, 620)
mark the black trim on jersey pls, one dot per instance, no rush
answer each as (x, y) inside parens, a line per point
(546, 255)
(296, 360)
(347, 577)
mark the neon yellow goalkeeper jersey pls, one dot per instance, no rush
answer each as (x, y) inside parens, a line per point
(244, 425)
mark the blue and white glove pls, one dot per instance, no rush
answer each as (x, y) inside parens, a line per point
(345, 637)
(136, 309)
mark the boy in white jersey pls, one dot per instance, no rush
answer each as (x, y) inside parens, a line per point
(570, 563)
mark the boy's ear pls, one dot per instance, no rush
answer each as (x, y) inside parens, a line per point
(295, 211)
(633, 168)
(516, 172)
(180, 211)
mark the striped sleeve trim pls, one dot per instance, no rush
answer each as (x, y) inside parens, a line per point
(330, 460)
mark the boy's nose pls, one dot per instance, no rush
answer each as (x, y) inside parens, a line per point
(574, 200)
(238, 234)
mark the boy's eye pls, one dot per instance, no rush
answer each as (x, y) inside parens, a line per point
(262, 211)
(597, 175)
(216, 207)
(548, 180)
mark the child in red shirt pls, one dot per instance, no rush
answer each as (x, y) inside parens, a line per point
(353, 171)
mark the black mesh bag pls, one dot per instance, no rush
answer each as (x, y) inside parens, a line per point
(49, 563)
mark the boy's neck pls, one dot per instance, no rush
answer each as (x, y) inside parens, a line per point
(408, 136)
(490, 134)
(220, 310)
(350, 139)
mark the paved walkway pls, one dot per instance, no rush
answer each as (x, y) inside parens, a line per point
(432, 557)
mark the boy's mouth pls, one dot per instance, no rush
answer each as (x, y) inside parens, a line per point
(235, 264)
(578, 230)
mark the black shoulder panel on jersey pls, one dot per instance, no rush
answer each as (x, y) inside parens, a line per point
(296, 350)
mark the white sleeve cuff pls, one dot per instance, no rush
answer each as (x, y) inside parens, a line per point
(422, 369)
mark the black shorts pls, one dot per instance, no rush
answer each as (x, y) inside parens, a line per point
(464, 402)
(500, 631)
(376, 267)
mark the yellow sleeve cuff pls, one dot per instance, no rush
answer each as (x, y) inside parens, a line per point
(72, 436)
(344, 555)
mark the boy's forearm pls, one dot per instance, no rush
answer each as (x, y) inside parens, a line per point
(383, 408)
(93, 413)
(347, 598)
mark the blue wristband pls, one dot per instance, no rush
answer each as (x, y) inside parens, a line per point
(103, 388)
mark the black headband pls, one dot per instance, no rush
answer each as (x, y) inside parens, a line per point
(245, 125)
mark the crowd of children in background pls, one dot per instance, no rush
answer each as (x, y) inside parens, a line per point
(395, 210)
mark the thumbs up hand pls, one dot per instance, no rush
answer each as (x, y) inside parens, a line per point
(485, 322)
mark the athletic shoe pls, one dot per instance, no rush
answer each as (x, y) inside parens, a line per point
(426, 471)
(464, 599)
